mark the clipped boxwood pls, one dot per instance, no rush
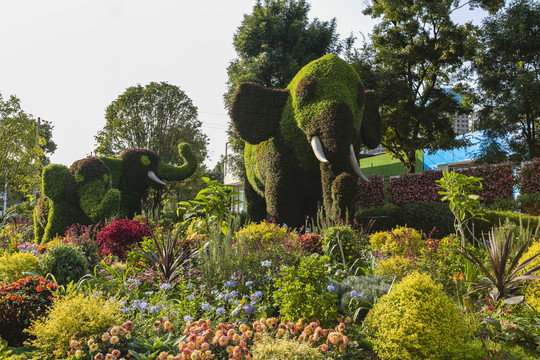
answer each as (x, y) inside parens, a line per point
(495, 218)
(416, 320)
(423, 217)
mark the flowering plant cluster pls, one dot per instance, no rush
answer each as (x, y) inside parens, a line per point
(371, 193)
(116, 238)
(530, 177)
(413, 188)
(234, 341)
(310, 242)
(497, 180)
(21, 302)
(110, 345)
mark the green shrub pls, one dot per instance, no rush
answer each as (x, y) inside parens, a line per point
(303, 292)
(75, 313)
(417, 321)
(495, 218)
(532, 292)
(346, 249)
(65, 262)
(13, 265)
(423, 216)
(284, 349)
(361, 293)
(264, 242)
(441, 259)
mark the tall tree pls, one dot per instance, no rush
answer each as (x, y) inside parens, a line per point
(418, 52)
(272, 44)
(508, 67)
(157, 116)
(23, 149)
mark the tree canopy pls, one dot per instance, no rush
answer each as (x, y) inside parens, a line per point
(23, 148)
(417, 53)
(508, 66)
(272, 44)
(157, 116)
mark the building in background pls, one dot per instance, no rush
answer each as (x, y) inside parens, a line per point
(229, 179)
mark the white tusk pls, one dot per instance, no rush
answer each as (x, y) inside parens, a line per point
(355, 165)
(154, 177)
(318, 149)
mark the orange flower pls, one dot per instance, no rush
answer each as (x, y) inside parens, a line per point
(39, 289)
(461, 277)
(20, 300)
(455, 277)
(14, 297)
(49, 286)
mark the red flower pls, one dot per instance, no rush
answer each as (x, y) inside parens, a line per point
(39, 289)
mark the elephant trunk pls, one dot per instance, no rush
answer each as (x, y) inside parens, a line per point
(332, 136)
(177, 173)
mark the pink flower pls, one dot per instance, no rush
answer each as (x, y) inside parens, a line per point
(223, 341)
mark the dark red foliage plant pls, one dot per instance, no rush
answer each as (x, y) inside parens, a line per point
(119, 236)
(21, 302)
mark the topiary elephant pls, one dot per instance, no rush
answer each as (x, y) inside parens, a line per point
(301, 141)
(93, 189)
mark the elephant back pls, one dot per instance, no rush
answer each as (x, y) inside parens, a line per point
(83, 172)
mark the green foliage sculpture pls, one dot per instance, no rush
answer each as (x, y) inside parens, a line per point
(93, 189)
(301, 140)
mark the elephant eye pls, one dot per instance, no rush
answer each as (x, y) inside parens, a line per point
(306, 90)
(360, 96)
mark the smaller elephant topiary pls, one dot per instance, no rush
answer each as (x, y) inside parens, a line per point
(93, 189)
(301, 142)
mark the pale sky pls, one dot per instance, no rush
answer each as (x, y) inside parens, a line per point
(67, 60)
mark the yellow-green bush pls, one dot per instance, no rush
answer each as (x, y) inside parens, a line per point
(13, 265)
(532, 293)
(397, 250)
(86, 314)
(397, 241)
(417, 321)
(265, 233)
(284, 349)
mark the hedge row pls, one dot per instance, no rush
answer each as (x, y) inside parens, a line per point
(498, 183)
(434, 218)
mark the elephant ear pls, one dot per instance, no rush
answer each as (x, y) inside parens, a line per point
(371, 130)
(256, 111)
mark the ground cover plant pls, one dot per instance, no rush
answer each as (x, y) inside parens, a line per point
(263, 290)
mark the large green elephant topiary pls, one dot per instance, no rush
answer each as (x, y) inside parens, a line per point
(301, 141)
(93, 189)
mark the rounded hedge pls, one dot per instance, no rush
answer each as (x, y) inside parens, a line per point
(416, 320)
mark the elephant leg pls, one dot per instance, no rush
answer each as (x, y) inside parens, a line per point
(344, 191)
(284, 198)
(97, 202)
(256, 205)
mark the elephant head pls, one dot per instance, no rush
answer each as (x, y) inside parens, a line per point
(137, 170)
(93, 189)
(314, 127)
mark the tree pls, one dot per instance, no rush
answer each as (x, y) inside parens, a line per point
(157, 116)
(418, 52)
(508, 67)
(273, 44)
(22, 148)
